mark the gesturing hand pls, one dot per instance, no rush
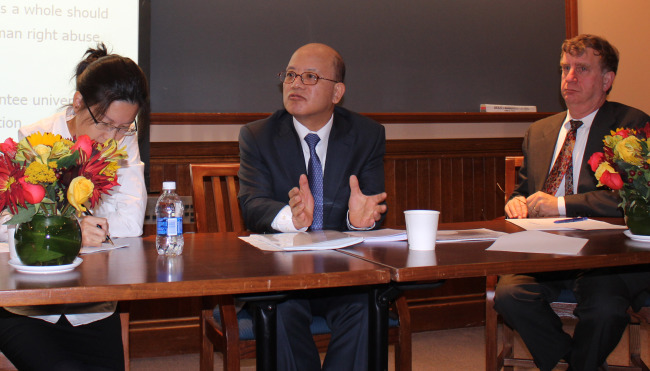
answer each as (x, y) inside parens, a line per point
(364, 210)
(301, 202)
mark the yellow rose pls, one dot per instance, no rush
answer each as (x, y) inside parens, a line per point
(629, 150)
(79, 192)
(43, 152)
(608, 177)
(60, 149)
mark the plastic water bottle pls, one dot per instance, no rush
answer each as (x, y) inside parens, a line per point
(169, 221)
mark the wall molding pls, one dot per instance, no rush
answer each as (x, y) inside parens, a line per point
(240, 118)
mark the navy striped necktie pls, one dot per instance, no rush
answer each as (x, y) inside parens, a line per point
(315, 177)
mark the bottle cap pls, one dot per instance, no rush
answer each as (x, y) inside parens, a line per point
(169, 185)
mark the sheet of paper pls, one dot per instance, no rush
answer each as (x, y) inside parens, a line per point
(300, 241)
(106, 246)
(380, 235)
(480, 234)
(548, 224)
(538, 242)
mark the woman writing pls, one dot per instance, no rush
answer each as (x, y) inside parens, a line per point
(110, 92)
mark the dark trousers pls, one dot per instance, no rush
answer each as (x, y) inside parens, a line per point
(34, 344)
(346, 316)
(603, 297)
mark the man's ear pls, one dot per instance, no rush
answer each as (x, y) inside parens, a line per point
(339, 90)
(608, 80)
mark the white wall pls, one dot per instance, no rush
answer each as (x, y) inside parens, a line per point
(625, 23)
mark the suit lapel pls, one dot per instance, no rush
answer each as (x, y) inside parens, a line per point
(603, 123)
(545, 149)
(338, 153)
(289, 151)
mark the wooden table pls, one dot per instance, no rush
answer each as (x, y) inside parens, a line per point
(606, 248)
(211, 264)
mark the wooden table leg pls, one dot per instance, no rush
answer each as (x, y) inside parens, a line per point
(491, 345)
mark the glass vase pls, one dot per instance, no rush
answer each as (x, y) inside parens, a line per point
(637, 219)
(48, 240)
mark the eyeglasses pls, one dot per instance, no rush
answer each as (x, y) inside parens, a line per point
(307, 78)
(103, 126)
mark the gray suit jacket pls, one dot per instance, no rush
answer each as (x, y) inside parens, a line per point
(538, 148)
(271, 162)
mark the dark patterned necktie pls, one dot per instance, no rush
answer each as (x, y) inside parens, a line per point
(563, 167)
(315, 177)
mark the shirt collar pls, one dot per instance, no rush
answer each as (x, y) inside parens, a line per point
(586, 121)
(323, 133)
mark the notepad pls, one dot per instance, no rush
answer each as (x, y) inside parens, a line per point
(380, 235)
(300, 241)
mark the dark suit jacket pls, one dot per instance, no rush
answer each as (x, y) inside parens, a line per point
(271, 162)
(539, 146)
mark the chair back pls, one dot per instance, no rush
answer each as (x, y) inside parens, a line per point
(214, 189)
(513, 163)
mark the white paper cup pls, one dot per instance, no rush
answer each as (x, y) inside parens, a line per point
(421, 258)
(421, 228)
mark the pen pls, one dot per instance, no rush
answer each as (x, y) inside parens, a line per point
(108, 237)
(571, 220)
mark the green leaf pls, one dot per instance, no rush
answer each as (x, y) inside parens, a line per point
(24, 215)
(68, 161)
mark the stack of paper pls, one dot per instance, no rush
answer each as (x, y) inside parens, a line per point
(318, 240)
(481, 234)
(380, 235)
(551, 224)
(389, 235)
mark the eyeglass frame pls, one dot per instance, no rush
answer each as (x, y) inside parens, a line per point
(302, 79)
(110, 128)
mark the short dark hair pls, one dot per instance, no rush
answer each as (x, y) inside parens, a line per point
(339, 68)
(576, 46)
(103, 78)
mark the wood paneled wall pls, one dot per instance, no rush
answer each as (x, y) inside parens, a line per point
(456, 176)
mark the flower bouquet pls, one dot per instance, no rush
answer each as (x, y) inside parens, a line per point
(624, 165)
(47, 180)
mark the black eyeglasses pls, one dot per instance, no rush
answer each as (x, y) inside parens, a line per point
(103, 126)
(307, 78)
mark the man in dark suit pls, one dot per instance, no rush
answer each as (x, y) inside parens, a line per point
(344, 190)
(548, 188)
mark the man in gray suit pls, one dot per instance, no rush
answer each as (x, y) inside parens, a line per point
(345, 190)
(556, 180)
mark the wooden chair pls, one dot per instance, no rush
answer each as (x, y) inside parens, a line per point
(513, 163)
(216, 185)
(563, 307)
(224, 329)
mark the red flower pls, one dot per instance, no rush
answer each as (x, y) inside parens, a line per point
(8, 148)
(11, 193)
(91, 170)
(623, 132)
(612, 180)
(595, 160)
(645, 130)
(84, 144)
(33, 193)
